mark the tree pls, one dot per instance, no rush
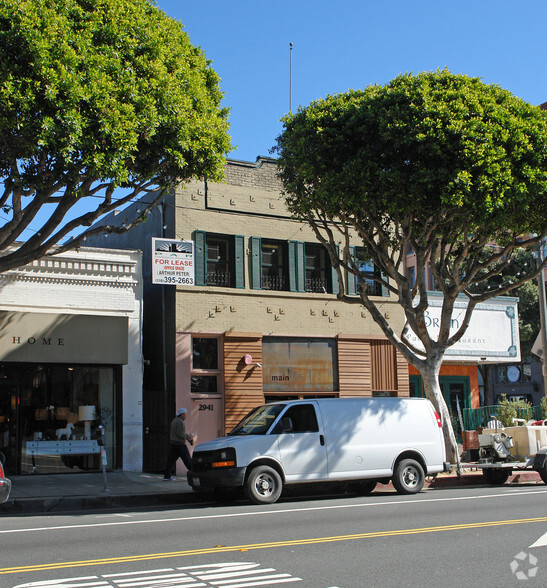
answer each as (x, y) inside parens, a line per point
(437, 163)
(100, 101)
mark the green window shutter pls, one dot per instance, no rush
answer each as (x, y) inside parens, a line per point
(335, 286)
(239, 261)
(351, 278)
(293, 286)
(200, 258)
(300, 267)
(256, 263)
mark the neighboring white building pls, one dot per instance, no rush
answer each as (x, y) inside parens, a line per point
(71, 348)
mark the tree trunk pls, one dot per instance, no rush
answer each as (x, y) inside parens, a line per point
(432, 389)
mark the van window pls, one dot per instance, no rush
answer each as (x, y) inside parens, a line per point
(258, 421)
(298, 419)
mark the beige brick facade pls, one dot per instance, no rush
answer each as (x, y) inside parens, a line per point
(250, 204)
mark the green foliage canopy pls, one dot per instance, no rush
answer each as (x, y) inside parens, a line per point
(437, 164)
(96, 95)
(436, 150)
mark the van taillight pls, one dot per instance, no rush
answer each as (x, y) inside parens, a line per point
(1, 471)
(438, 419)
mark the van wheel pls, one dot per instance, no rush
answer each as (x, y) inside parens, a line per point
(496, 476)
(543, 471)
(263, 485)
(363, 487)
(408, 477)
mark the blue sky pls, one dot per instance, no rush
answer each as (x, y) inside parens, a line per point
(351, 44)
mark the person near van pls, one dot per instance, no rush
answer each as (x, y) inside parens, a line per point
(177, 444)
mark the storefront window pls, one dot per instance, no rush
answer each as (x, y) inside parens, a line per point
(512, 373)
(205, 371)
(50, 414)
(204, 353)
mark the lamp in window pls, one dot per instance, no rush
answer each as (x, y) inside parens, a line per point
(86, 414)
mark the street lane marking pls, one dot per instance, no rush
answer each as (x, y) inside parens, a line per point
(220, 575)
(268, 545)
(272, 511)
(541, 542)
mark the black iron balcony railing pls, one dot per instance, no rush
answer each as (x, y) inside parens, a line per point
(316, 285)
(274, 282)
(223, 279)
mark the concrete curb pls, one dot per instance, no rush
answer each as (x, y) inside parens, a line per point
(22, 506)
(477, 478)
(119, 501)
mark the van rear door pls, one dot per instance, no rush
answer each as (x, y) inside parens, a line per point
(302, 443)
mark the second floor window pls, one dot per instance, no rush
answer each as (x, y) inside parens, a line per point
(219, 260)
(318, 269)
(368, 272)
(274, 265)
(411, 276)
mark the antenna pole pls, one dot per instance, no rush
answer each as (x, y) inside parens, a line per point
(290, 78)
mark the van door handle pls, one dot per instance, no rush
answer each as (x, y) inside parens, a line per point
(322, 439)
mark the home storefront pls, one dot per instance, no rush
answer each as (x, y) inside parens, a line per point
(59, 381)
(71, 363)
(41, 408)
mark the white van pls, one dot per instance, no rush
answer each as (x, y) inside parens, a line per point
(363, 440)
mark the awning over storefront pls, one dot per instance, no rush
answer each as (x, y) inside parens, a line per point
(63, 338)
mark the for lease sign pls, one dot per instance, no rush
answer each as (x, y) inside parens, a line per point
(172, 262)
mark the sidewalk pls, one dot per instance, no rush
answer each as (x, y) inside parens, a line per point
(57, 493)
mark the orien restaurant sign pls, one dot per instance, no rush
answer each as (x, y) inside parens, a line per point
(492, 335)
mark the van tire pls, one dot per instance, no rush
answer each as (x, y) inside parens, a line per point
(408, 477)
(263, 485)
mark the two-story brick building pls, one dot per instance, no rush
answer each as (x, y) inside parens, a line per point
(261, 321)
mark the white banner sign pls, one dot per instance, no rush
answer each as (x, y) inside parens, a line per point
(172, 262)
(492, 335)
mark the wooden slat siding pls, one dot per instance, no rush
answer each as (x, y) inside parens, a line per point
(242, 383)
(383, 366)
(354, 368)
(403, 381)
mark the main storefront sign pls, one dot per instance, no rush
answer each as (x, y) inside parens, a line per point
(172, 262)
(296, 364)
(63, 338)
(492, 335)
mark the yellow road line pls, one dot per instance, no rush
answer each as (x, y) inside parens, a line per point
(248, 547)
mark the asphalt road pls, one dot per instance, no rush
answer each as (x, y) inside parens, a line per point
(493, 536)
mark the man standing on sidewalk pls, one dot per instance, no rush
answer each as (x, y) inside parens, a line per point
(177, 444)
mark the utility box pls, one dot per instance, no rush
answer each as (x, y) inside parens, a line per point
(525, 440)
